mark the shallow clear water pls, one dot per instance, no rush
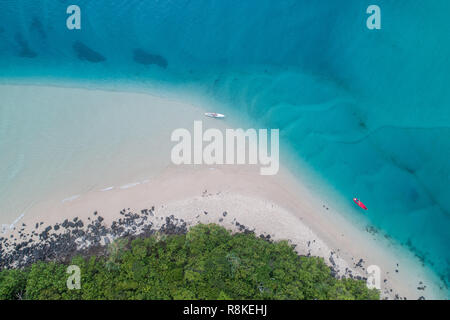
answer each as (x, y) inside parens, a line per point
(368, 110)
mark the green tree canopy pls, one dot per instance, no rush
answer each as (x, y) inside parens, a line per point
(206, 263)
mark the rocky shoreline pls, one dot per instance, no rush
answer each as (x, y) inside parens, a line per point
(60, 242)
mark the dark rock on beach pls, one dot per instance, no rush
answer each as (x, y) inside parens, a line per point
(360, 263)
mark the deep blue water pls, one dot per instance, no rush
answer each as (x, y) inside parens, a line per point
(368, 110)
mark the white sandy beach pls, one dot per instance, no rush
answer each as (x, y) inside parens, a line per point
(280, 205)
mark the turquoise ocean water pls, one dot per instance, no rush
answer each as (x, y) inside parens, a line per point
(367, 110)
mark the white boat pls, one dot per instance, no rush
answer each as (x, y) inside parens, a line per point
(214, 115)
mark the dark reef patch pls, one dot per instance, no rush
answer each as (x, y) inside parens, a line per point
(85, 53)
(362, 124)
(24, 49)
(142, 57)
(372, 230)
(37, 26)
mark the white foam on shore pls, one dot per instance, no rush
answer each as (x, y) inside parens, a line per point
(5, 227)
(107, 189)
(18, 219)
(130, 185)
(71, 198)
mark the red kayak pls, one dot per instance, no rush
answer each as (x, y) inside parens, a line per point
(359, 203)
